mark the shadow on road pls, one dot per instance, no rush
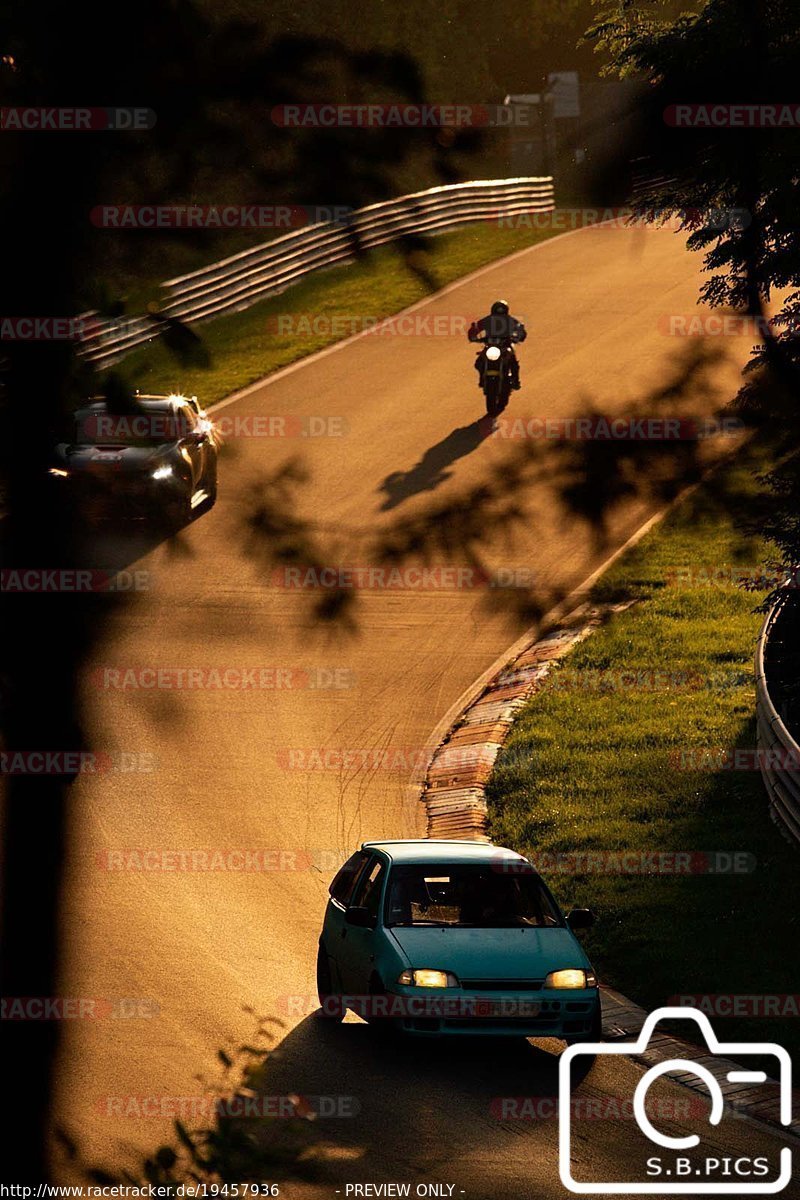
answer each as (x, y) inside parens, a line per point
(589, 480)
(431, 470)
(378, 1076)
(114, 546)
(318, 1106)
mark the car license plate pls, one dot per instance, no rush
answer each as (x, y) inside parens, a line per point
(506, 1008)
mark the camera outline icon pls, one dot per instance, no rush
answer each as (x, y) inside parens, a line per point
(733, 1186)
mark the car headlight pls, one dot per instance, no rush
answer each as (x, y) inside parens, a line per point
(428, 978)
(162, 473)
(571, 978)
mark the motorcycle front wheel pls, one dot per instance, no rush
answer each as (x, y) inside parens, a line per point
(504, 393)
(493, 393)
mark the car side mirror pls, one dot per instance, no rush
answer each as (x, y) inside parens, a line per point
(581, 918)
(362, 918)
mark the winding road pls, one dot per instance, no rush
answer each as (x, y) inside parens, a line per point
(290, 722)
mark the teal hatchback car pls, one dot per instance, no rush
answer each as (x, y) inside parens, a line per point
(454, 937)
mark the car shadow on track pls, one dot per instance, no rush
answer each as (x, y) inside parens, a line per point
(113, 546)
(407, 1104)
(431, 470)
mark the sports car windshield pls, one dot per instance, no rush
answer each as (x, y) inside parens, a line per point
(469, 895)
(145, 427)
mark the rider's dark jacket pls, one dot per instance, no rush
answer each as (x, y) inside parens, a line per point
(500, 328)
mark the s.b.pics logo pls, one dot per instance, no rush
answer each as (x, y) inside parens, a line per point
(671, 1160)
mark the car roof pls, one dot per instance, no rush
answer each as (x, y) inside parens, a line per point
(153, 402)
(441, 850)
(151, 395)
(172, 396)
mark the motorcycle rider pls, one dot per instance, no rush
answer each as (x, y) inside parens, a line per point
(499, 328)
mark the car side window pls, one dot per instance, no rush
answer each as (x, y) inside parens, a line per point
(344, 881)
(368, 893)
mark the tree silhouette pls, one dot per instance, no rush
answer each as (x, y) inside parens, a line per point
(736, 188)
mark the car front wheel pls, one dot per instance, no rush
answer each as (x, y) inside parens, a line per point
(379, 1019)
(331, 1006)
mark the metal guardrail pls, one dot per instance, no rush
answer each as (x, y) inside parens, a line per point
(647, 179)
(778, 752)
(235, 283)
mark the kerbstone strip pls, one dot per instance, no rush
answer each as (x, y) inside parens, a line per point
(453, 790)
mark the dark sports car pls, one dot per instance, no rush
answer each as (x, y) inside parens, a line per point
(156, 458)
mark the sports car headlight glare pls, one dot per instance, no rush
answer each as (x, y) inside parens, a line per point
(570, 978)
(428, 978)
(162, 473)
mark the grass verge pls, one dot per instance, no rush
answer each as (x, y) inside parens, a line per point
(621, 751)
(245, 346)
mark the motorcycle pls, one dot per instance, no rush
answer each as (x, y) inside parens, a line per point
(494, 364)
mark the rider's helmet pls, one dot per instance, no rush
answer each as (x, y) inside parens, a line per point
(500, 307)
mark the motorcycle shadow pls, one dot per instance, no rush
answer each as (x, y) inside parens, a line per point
(432, 469)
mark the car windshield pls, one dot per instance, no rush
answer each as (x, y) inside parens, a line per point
(145, 426)
(469, 895)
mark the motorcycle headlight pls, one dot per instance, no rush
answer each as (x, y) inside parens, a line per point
(571, 978)
(163, 473)
(492, 353)
(426, 977)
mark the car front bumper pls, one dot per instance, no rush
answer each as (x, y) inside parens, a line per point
(132, 497)
(572, 1015)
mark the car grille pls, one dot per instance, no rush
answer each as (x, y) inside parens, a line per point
(537, 1024)
(502, 985)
